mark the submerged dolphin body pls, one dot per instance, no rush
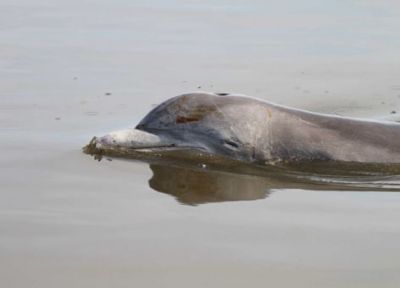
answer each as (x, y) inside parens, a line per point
(253, 130)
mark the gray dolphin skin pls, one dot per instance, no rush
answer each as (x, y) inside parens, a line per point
(253, 130)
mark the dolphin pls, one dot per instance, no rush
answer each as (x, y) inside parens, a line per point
(252, 130)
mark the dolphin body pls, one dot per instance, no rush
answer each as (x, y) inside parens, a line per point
(253, 130)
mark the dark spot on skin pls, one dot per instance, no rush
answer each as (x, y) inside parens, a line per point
(198, 87)
(393, 112)
(222, 94)
(182, 119)
(194, 115)
(108, 94)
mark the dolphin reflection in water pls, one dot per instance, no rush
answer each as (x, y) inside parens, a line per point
(194, 185)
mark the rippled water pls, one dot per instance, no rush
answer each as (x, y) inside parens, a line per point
(70, 70)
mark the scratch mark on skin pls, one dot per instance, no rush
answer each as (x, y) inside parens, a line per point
(269, 113)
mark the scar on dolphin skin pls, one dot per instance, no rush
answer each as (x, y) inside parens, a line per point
(182, 119)
(195, 115)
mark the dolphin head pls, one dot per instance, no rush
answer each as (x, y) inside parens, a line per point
(200, 121)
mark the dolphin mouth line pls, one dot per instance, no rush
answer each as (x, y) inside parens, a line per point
(172, 146)
(99, 149)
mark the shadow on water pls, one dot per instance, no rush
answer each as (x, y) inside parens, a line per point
(194, 177)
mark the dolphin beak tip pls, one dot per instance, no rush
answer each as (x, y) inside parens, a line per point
(93, 147)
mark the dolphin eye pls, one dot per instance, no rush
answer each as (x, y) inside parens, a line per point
(231, 143)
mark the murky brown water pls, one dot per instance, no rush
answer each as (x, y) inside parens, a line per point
(70, 70)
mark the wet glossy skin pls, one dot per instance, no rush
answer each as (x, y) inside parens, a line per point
(252, 130)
